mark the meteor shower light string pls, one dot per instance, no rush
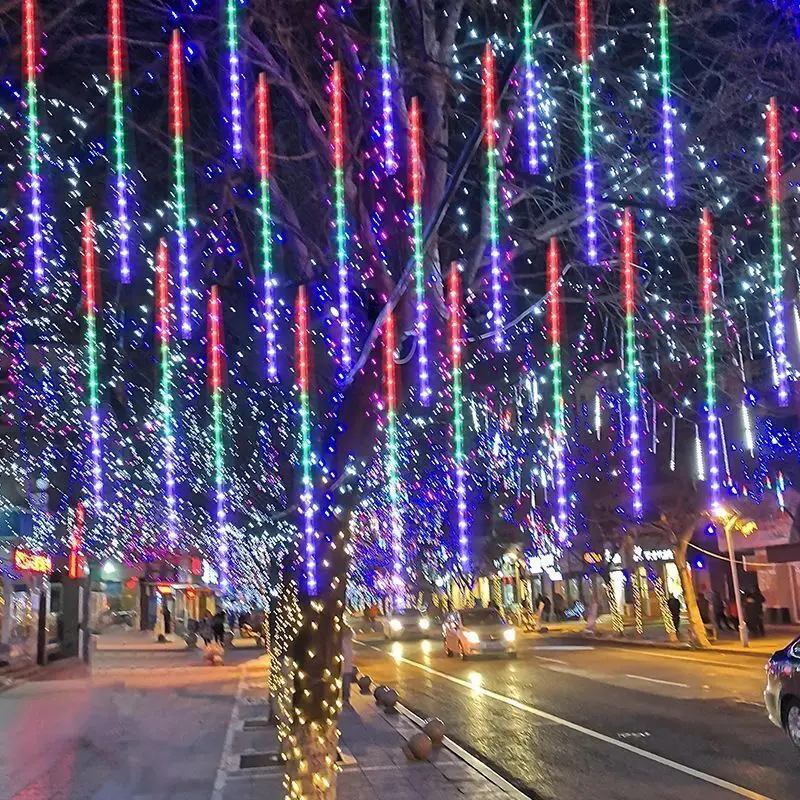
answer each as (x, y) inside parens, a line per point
(177, 124)
(583, 15)
(392, 476)
(307, 495)
(337, 119)
(667, 112)
(216, 358)
(116, 59)
(263, 145)
(421, 306)
(631, 360)
(385, 50)
(456, 341)
(30, 65)
(554, 324)
(707, 288)
(88, 260)
(529, 79)
(163, 328)
(490, 126)
(235, 76)
(774, 185)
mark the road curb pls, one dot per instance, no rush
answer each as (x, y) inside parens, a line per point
(633, 644)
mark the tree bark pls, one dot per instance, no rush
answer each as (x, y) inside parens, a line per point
(311, 761)
(697, 628)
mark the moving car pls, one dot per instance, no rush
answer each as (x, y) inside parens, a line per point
(410, 623)
(782, 692)
(478, 631)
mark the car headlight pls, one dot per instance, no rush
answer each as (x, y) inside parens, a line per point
(510, 635)
(424, 624)
(396, 625)
(472, 637)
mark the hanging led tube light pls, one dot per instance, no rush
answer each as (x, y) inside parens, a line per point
(176, 92)
(708, 281)
(234, 75)
(30, 68)
(560, 518)
(667, 111)
(420, 301)
(117, 55)
(490, 138)
(263, 145)
(307, 495)
(337, 120)
(216, 365)
(459, 457)
(385, 54)
(163, 335)
(583, 23)
(89, 275)
(778, 309)
(392, 472)
(529, 83)
(631, 361)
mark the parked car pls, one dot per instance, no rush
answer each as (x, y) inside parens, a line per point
(782, 692)
(478, 631)
(410, 623)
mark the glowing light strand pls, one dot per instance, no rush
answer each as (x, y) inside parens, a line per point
(529, 83)
(337, 119)
(421, 305)
(307, 495)
(631, 361)
(176, 91)
(234, 75)
(117, 55)
(392, 474)
(30, 67)
(583, 19)
(216, 361)
(385, 52)
(263, 145)
(88, 262)
(490, 138)
(774, 185)
(163, 329)
(560, 518)
(459, 457)
(707, 289)
(667, 111)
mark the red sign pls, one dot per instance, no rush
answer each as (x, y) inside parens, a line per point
(77, 562)
(26, 561)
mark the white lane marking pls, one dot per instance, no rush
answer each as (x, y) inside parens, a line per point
(551, 660)
(667, 762)
(657, 680)
(484, 769)
(651, 652)
(564, 647)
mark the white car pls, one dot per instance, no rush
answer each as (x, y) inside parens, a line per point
(408, 624)
(478, 631)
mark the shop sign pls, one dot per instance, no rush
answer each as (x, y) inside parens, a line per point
(210, 575)
(639, 555)
(25, 561)
(539, 564)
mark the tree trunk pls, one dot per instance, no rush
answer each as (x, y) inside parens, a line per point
(697, 628)
(310, 750)
(617, 621)
(666, 615)
(637, 602)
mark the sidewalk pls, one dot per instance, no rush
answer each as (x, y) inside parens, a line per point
(778, 636)
(120, 638)
(374, 766)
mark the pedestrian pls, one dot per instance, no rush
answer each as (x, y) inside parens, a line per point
(703, 608)
(218, 627)
(167, 620)
(347, 663)
(758, 600)
(720, 618)
(204, 628)
(674, 606)
(559, 607)
(546, 606)
(732, 612)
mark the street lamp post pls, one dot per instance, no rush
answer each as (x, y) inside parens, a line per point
(728, 525)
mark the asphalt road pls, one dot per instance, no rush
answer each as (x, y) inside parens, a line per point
(592, 721)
